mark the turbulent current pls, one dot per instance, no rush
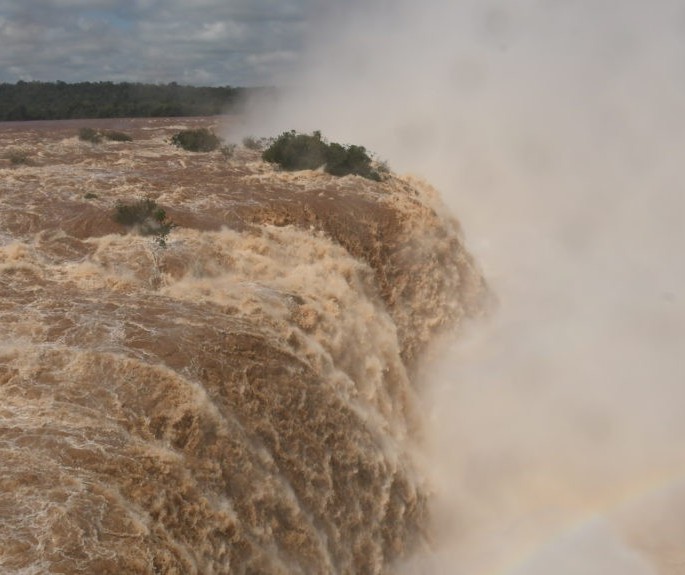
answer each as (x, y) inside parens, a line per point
(241, 401)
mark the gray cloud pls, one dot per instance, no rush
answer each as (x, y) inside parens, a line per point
(209, 42)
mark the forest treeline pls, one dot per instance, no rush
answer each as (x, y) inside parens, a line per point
(59, 100)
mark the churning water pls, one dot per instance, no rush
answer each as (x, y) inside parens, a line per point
(242, 401)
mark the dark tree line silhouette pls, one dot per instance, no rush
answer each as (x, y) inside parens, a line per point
(59, 100)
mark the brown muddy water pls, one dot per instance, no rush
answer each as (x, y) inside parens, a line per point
(241, 401)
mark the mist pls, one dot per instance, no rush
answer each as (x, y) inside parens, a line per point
(554, 131)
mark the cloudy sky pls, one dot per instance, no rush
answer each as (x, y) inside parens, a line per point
(554, 129)
(200, 42)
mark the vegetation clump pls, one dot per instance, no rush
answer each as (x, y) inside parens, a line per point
(227, 151)
(95, 136)
(18, 158)
(89, 135)
(197, 140)
(252, 143)
(116, 136)
(293, 151)
(147, 217)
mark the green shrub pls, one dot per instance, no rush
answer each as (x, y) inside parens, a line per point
(117, 136)
(147, 217)
(341, 161)
(90, 196)
(227, 151)
(95, 136)
(89, 135)
(252, 143)
(18, 158)
(198, 140)
(293, 151)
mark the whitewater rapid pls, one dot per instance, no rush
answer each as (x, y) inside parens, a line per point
(241, 401)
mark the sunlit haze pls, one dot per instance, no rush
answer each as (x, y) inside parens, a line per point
(554, 130)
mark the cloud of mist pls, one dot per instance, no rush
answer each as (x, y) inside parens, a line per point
(554, 130)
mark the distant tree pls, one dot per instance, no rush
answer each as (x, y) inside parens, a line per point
(59, 100)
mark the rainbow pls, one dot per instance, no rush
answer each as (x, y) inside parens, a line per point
(629, 496)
